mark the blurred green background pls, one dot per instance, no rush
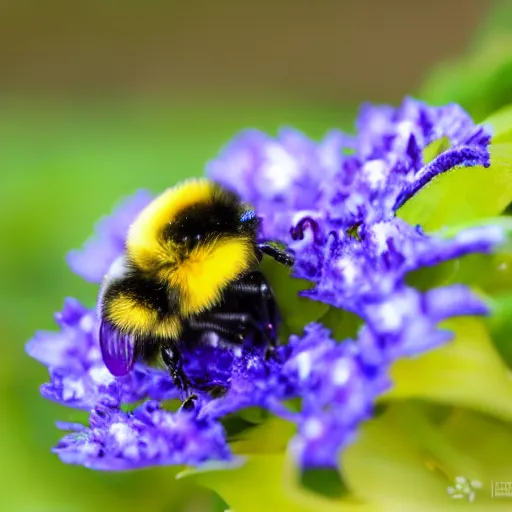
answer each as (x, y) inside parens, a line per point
(97, 101)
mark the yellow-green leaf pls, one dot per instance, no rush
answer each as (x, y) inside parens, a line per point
(464, 194)
(272, 436)
(295, 311)
(501, 123)
(404, 460)
(269, 482)
(466, 372)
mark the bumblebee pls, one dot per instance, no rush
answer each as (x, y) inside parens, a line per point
(190, 267)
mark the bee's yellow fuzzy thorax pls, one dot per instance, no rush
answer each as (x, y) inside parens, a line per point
(143, 244)
(203, 275)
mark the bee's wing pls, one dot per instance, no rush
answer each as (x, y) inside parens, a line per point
(117, 349)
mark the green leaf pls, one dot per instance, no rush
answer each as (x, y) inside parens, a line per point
(435, 148)
(466, 372)
(501, 123)
(272, 436)
(265, 478)
(385, 466)
(406, 460)
(343, 324)
(500, 323)
(487, 274)
(269, 482)
(504, 222)
(295, 311)
(463, 194)
(484, 440)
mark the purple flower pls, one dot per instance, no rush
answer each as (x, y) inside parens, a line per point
(149, 436)
(79, 378)
(334, 204)
(278, 176)
(338, 384)
(348, 180)
(353, 270)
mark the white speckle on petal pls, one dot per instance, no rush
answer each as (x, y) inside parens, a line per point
(100, 374)
(304, 365)
(87, 323)
(131, 451)
(312, 428)
(390, 316)
(405, 129)
(252, 362)
(341, 372)
(280, 168)
(212, 339)
(381, 233)
(90, 448)
(375, 172)
(122, 433)
(348, 269)
(72, 389)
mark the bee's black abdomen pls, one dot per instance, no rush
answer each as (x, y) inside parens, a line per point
(248, 308)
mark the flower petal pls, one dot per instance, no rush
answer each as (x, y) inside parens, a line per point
(466, 372)
(149, 436)
(464, 195)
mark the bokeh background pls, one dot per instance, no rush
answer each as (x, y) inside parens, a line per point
(100, 99)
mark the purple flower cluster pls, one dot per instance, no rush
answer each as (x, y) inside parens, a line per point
(348, 180)
(78, 377)
(148, 436)
(334, 204)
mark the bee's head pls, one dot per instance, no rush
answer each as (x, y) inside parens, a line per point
(206, 223)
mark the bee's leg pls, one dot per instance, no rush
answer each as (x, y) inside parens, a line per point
(280, 256)
(188, 403)
(256, 287)
(174, 365)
